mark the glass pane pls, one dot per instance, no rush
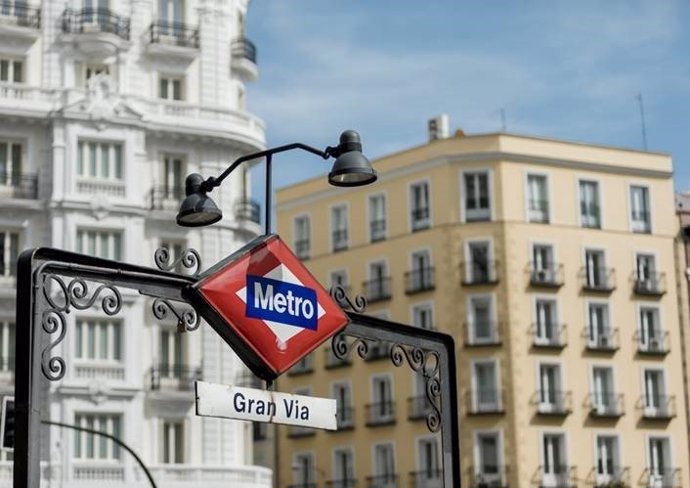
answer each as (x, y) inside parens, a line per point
(164, 88)
(117, 247)
(4, 70)
(177, 90)
(117, 340)
(3, 163)
(92, 159)
(17, 75)
(80, 158)
(118, 161)
(105, 160)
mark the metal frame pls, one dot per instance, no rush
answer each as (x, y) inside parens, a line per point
(51, 283)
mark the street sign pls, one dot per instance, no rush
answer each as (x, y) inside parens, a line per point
(267, 306)
(234, 402)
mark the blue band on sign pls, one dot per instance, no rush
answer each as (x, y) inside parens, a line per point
(278, 301)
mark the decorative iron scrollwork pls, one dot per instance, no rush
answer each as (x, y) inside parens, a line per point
(187, 319)
(339, 294)
(342, 348)
(61, 298)
(189, 258)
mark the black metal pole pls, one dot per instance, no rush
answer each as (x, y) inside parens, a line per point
(269, 186)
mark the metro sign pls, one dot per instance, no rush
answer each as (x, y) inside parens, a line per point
(267, 306)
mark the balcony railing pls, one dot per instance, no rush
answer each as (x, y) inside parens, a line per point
(381, 413)
(554, 402)
(655, 343)
(420, 218)
(95, 20)
(247, 209)
(479, 272)
(660, 407)
(378, 350)
(606, 405)
(332, 361)
(601, 280)
(207, 475)
(342, 483)
(484, 401)
(20, 14)
(641, 221)
(427, 478)
(560, 476)
(418, 407)
(174, 34)
(383, 481)
(377, 230)
(345, 418)
(616, 477)
(488, 476)
(377, 290)
(662, 478)
(552, 335)
(243, 48)
(339, 240)
(302, 248)
(21, 185)
(174, 377)
(419, 280)
(482, 333)
(166, 197)
(538, 211)
(604, 341)
(590, 215)
(546, 276)
(653, 286)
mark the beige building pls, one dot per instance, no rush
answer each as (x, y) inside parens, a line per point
(552, 265)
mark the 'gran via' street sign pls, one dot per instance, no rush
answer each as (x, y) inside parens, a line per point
(234, 402)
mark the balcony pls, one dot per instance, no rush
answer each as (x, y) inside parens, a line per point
(546, 276)
(538, 211)
(554, 402)
(590, 213)
(166, 198)
(114, 371)
(482, 334)
(641, 221)
(381, 413)
(378, 350)
(243, 60)
(173, 377)
(606, 405)
(20, 21)
(550, 335)
(616, 477)
(302, 248)
(339, 238)
(604, 341)
(377, 230)
(378, 289)
(345, 418)
(96, 31)
(383, 481)
(173, 39)
(247, 210)
(598, 280)
(657, 407)
(479, 273)
(211, 476)
(332, 361)
(303, 366)
(662, 478)
(20, 186)
(419, 280)
(650, 286)
(342, 483)
(484, 401)
(653, 344)
(428, 478)
(418, 407)
(488, 476)
(420, 219)
(559, 476)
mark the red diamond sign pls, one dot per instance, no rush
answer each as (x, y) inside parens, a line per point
(267, 306)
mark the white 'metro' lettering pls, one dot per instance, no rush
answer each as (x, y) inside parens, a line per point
(281, 302)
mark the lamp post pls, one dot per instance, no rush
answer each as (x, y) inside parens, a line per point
(351, 168)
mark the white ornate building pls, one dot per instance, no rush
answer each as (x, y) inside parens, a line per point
(105, 107)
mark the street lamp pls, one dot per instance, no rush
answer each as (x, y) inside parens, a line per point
(351, 168)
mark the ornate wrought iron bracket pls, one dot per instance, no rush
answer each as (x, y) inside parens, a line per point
(187, 318)
(339, 294)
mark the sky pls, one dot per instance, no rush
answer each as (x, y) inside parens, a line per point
(563, 69)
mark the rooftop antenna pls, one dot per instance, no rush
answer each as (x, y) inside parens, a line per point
(642, 121)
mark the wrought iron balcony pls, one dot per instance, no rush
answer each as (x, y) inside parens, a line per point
(377, 290)
(479, 272)
(20, 14)
(418, 407)
(604, 341)
(554, 402)
(488, 476)
(95, 20)
(549, 335)
(641, 221)
(166, 197)
(243, 48)
(651, 286)
(420, 218)
(174, 34)
(383, 481)
(590, 215)
(538, 211)
(377, 230)
(169, 377)
(599, 280)
(655, 343)
(19, 185)
(427, 478)
(484, 401)
(658, 407)
(546, 276)
(662, 478)
(482, 333)
(378, 350)
(381, 413)
(419, 280)
(342, 483)
(247, 209)
(302, 248)
(339, 240)
(606, 405)
(560, 476)
(345, 418)
(332, 361)
(615, 477)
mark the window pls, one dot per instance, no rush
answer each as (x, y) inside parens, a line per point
(7, 342)
(608, 464)
(98, 340)
(102, 244)
(419, 202)
(477, 199)
(590, 213)
(99, 160)
(488, 457)
(381, 409)
(428, 462)
(9, 252)
(11, 70)
(547, 331)
(171, 354)
(173, 176)
(421, 276)
(378, 286)
(170, 87)
(482, 328)
(599, 334)
(485, 382)
(604, 399)
(639, 209)
(651, 335)
(384, 466)
(377, 218)
(171, 11)
(342, 392)
(302, 237)
(656, 403)
(659, 458)
(554, 459)
(596, 274)
(339, 227)
(423, 316)
(303, 470)
(173, 442)
(537, 198)
(479, 267)
(94, 447)
(551, 398)
(343, 468)
(647, 281)
(10, 163)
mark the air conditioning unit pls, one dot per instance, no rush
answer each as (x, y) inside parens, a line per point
(438, 127)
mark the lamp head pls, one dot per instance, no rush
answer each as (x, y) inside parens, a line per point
(351, 167)
(197, 209)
